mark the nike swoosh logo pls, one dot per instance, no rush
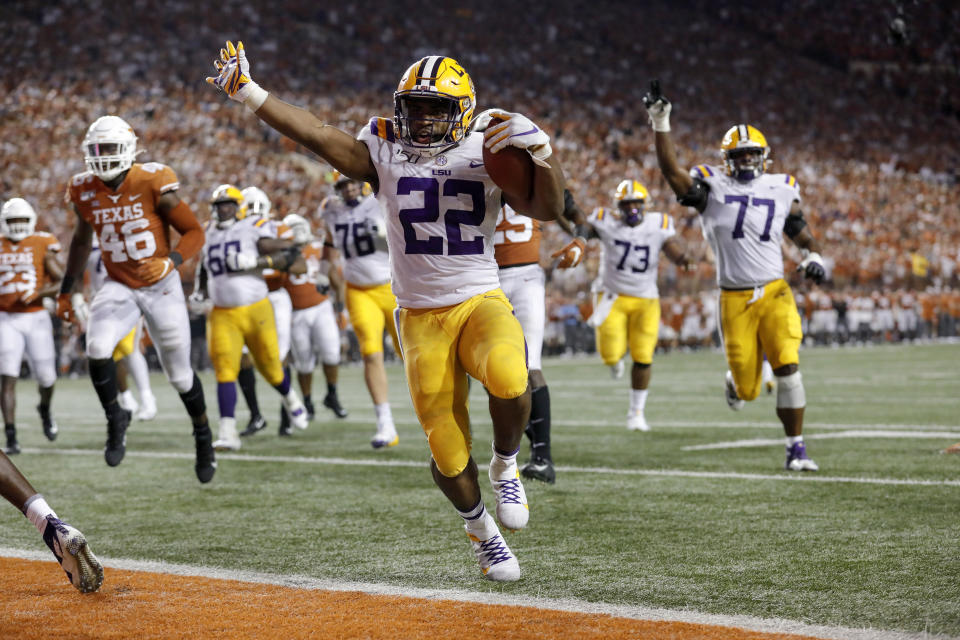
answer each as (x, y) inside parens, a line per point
(526, 133)
(474, 165)
(136, 197)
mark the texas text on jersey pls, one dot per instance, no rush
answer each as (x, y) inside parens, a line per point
(126, 220)
(22, 270)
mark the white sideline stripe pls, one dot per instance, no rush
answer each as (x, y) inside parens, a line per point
(366, 462)
(751, 623)
(362, 418)
(857, 433)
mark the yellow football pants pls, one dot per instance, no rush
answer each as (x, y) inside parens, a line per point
(480, 337)
(750, 328)
(631, 320)
(371, 311)
(228, 329)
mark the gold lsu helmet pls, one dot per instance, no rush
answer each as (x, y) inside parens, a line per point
(227, 193)
(627, 192)
(736, 141)
(437, 78)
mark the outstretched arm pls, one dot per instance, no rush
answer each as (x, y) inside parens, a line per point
(345, 153)
(658, 108)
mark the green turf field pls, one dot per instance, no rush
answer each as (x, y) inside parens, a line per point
(695, 515)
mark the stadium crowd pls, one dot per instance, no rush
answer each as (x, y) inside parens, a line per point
(864, 122)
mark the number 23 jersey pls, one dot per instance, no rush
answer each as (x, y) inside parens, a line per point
(126, 220)
(440, 213)
(743, 222)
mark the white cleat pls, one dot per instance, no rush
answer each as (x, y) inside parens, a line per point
(636, 422)
(227, 437)
(513, 512)
(730, 392)
(296, 410)
(496, 560)
(386, 436)
(71, 550)
(148, 408)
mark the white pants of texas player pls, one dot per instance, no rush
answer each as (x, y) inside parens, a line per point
(282, 310)
(524, 287)
(314, 333)
(116, 309)
(29, 334)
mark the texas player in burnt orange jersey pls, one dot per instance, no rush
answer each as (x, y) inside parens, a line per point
(29, 271)
(131, 207)
(316, 320)
(517, 250)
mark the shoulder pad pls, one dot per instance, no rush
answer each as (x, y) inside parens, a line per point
(666, 222)
(382, 128)
(702, 171)
(598, 213)
(790, 180)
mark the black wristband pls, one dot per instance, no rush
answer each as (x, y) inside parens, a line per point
(338, 306)
(66, 284)
(176, 258)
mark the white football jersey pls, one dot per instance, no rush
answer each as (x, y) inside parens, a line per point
(353, 230)
(98, 273)
(631, 255)
(441, 213)
(231, 288)
(743, 222)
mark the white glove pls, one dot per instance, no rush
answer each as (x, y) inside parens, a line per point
(80, 309)
(241, 261)
(198, 303)
(517, 130)
(233, 77)
(658, 108)
(482, 120)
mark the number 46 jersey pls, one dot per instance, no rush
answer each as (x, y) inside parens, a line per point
(441, 213)
(353, 230)
(126, 220)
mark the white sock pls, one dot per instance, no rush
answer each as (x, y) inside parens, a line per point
(36, 509)
(137, 365)
(475, 518)
(638, 400)
(126, 399)
(383, 412)
(792, 440)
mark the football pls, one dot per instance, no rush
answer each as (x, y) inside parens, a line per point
(512, 170)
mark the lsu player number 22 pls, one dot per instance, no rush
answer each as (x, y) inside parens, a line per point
(131, 207)
(745, 212)
(426, 168)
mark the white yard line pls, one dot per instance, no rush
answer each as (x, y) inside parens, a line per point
(766, 625)
(368, 462)
(855, 433)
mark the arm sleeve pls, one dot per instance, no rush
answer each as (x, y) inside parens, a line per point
(192, 236)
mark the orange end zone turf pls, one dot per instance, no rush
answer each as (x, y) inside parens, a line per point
(36, 602)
